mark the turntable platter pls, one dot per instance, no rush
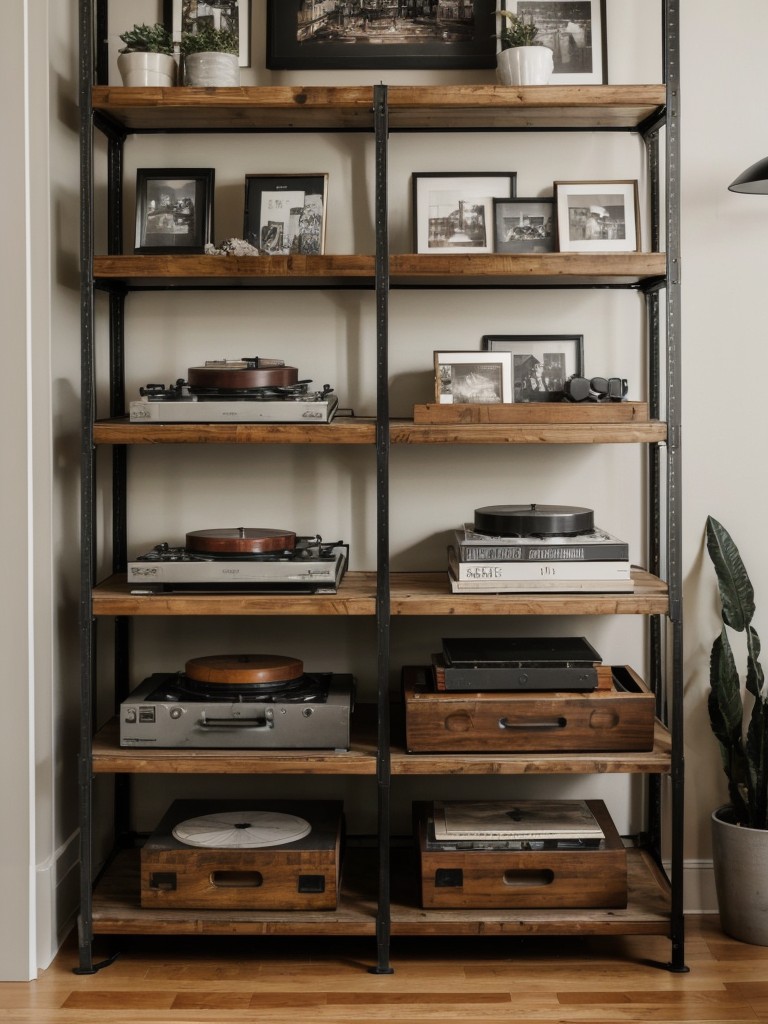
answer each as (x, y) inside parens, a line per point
(244, 669)
(240, 541)
(240, 830)
(543, 520)
(238, 376)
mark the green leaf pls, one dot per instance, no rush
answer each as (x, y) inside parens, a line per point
(736, 593)
(726, 712)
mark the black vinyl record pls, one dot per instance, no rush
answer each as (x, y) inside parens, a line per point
(542, 520)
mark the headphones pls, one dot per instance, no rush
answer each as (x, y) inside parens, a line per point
(596, 389)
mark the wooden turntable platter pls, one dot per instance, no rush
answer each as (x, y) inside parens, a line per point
(242, 377)
(243, 669)
(240, 541)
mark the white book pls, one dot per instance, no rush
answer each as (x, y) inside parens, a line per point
(539, 586)
(513, 571)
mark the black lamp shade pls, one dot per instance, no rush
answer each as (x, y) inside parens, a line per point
(754, 180)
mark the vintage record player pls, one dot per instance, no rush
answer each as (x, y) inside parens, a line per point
(248, 390)
(523, 854)
(246, 701)
(244, 855)
(242, 558)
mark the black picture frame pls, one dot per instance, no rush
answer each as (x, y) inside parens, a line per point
(359, 41)
(541, 363)
(453, 210)
(174, 209)
(523, 225)
(285, 214)
(177, 20)
(575, 32)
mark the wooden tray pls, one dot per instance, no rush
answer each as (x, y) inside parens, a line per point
(534, 412)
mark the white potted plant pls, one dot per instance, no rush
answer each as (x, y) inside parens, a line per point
(740, 725)
(211, 57)
(521, 60)
(147, 57)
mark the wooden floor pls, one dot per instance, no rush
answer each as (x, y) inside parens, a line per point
(286, 980)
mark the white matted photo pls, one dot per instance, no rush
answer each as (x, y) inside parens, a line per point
(597, 216)
(574, 30)
(473, 378)
(453, 213)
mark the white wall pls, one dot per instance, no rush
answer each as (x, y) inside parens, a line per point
(331, 338)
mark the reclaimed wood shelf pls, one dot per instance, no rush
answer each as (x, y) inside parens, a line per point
(406, 270)
(116, 908)
(413, 593)
(427, 108)
(360, 759)
(530, 432)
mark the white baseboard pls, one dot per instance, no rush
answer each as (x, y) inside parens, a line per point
(699, 896)
(58, 899)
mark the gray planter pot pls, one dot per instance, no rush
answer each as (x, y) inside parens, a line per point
(212, 69)
(740, 858)
(144, 69)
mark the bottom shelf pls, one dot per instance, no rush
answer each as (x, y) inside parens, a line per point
(116, 909)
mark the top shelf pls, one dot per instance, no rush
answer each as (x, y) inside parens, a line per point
(410, 108)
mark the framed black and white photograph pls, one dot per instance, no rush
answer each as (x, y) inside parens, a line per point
(285, 214)
(574, 30)
(181, 16)
(453, 213)
(541, 363)
(473, 378)
(355, 34)
(524, 225)
(597, 216)
(174, 209)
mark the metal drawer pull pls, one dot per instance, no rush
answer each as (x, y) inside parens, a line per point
(552, 723)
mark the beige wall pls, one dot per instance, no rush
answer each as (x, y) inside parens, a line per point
(331, 338)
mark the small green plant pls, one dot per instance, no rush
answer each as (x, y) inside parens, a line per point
(210, 40)
(516, 31)
(742, 732)
(147, 39)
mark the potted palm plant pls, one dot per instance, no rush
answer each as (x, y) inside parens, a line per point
(147, 57)
(211, 57)
(739, 717)
(521, 60)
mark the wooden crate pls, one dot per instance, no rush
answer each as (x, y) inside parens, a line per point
(302, 875)
(559, 878)
(621, 718)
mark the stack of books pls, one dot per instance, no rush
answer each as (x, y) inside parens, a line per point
(590, 562)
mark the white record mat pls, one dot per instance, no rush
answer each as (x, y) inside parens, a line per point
(241, 830)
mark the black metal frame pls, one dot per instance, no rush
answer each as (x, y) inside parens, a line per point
(664, 468)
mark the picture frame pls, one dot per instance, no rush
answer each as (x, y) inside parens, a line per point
(597, 216)
(453, 211)
(473, 378)
(174, 209)
(541, 363)
(575, 32)
(524, 225)
(285, 214)
(420, 36)
(181, 16)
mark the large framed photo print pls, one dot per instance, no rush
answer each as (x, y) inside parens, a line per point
(481, 378)
(190, 16)
(597, 216)
(453, 213)
(541, 363)
(524, 225)
(174, 210)
(355, 34)
(285, 213)
(574, 30)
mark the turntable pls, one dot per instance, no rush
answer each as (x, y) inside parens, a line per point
(248, 390)
(246, 701)
(242, 559)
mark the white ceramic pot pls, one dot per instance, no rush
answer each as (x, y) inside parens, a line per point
(212, 69)
(140, 69)
(525, 65)
(740, 857)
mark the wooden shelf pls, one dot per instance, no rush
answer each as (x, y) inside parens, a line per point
(532, 432)
(426, 108)
(116, 909)
(416, 593)
(360, 759)
(653, 761)
(407, 270)
(343, 430)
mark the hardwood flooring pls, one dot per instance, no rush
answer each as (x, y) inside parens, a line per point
(476, 981)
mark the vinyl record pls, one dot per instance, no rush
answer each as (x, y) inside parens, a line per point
(238, 376)
(241, 830)
(244, 669)
(542, 520)
(240, 540)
